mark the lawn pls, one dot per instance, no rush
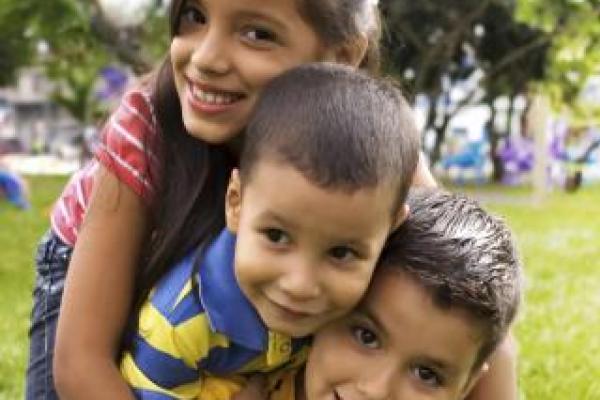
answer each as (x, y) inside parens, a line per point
(558, 330)
(19, 232)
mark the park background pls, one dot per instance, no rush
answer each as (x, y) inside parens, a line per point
(507, 94)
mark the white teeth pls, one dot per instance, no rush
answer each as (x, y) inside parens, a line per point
(212, 97)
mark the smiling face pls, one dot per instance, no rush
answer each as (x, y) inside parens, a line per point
(304, 254)
(396, 345)
(226, 51)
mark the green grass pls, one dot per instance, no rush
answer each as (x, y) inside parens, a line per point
(559, 326)
(19, 232)
(558, 330)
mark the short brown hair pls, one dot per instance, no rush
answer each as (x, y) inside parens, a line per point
(339, 127)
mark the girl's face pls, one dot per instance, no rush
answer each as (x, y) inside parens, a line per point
(226, 51)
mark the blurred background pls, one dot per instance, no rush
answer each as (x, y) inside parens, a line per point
(506, 92)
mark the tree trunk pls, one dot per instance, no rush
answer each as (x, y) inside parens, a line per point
(494, 138)
(440, 136)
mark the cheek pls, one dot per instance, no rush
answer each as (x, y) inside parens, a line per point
(177, 52)
(259, 72)
(261, 69)
(249, 271)
(346, 291)
(329, 347)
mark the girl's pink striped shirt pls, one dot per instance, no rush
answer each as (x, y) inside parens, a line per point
(127, 149)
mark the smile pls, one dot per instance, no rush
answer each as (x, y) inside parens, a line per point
(291, 312)
(208, 100)
(213, 97)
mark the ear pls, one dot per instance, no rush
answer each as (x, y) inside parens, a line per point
(474, 378)
(400, 216)
(233, 201)
(353, 52)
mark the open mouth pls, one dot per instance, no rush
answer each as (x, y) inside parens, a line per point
(214, 97)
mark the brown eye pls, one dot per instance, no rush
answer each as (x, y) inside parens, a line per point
(342, 253)
(276, 236)
(190, 18)
(260, 35)
(365, 337)
(428, 376)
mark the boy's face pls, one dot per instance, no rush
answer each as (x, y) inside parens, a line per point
(396, 345)
(304, 255)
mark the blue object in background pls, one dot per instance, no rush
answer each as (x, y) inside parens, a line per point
(12, 188)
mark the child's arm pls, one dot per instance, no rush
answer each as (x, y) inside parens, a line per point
(500, 382)
(98, 293)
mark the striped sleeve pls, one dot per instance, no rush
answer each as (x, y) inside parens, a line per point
(128, 144)
(174, 337)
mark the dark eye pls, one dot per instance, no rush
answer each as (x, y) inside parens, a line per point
(365, 337)
(342, 253)
(276, 236)
(259, 35)
(190, 16)
(428, 376)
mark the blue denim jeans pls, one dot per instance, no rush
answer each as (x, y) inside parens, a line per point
(52, 259)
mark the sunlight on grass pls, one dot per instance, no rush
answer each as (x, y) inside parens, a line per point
(558, 329)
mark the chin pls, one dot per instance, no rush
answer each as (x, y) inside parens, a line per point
(209, 134)
(287, 329)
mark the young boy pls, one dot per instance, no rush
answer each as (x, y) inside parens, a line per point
(442, 298)
(325, 168)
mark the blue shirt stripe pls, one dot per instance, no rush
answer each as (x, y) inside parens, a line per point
(161, 368)
(151, 395)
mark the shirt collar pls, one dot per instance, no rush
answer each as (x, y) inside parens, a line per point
(227, 308)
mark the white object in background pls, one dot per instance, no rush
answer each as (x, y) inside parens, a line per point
(128, 13)
(537, 126)
(40, 165)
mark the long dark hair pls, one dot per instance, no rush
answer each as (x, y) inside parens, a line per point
(192, 176)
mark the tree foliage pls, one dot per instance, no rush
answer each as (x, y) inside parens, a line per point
(77, 42)
(434, 46)
(574, 56)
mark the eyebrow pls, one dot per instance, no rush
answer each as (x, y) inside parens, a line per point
(270, 215)
(263, 16)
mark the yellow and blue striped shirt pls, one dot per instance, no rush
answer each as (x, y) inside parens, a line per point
(189, 331)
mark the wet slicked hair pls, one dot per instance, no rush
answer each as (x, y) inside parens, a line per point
(340, 128)
(464, 257)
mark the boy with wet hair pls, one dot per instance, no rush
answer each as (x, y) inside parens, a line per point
(444, 295)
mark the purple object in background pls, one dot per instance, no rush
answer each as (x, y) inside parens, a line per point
(115, 81)
(517, 157)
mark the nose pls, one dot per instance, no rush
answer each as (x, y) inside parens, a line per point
(376, 383)
(300, 282)
(210, 55)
